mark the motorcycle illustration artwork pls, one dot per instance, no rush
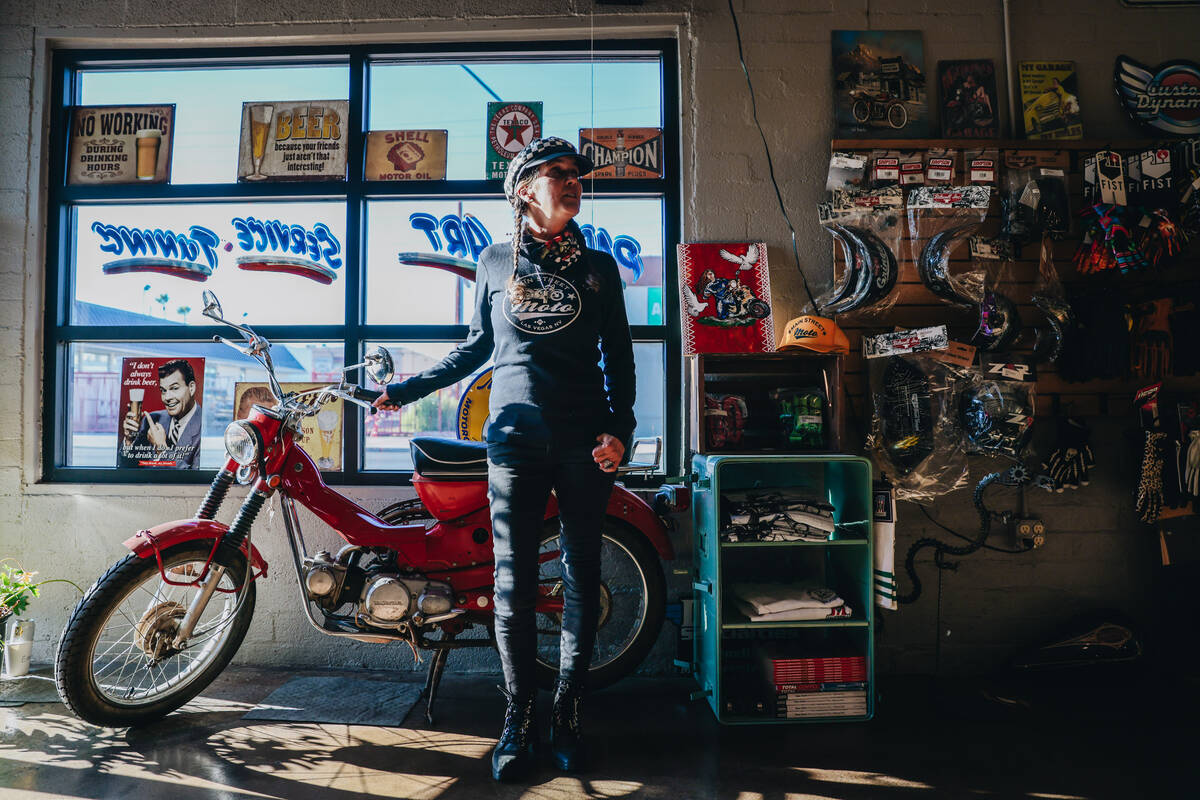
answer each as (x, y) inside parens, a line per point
(162, 622)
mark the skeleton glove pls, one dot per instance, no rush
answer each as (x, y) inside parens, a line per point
(1070, 463)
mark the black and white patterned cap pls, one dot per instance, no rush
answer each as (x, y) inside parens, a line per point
(538, 152)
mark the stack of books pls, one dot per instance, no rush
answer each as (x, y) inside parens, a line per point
(833, 686)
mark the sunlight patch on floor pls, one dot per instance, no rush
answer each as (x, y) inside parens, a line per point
(858, 778)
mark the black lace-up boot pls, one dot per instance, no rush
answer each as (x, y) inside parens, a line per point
(566, 735)
(513, 759)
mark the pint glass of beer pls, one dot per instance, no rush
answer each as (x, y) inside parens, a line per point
(148, 141)
(260, 125)
(327, 421)
(136, 396)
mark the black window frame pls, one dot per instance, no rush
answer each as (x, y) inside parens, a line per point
(355, 192)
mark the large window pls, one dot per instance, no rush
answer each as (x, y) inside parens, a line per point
(109, 312)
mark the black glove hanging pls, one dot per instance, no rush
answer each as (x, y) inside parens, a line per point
(1070, 463)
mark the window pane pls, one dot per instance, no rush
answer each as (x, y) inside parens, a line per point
(145, 264)
(387, 435)
(208, 106)
(452, 96)
(406, 293)
(95, 396)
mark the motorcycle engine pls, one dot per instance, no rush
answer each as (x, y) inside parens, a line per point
(382, 597)
(389, 599)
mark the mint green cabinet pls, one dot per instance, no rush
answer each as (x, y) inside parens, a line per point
(731, 678)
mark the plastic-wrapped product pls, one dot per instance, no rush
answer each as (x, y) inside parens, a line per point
(997, 416)
(846, 171)
(940, 167)
(1050, 298)
(915, 439)
(941, 218)
(1034, 197)
(867, 229)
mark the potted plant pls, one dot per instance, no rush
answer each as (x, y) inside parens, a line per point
(17, 587)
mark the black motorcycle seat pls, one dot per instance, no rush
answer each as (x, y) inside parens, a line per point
(449, 458)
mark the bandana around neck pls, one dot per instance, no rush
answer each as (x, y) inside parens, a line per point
(560, 252)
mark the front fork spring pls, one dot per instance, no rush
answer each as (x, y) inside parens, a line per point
(216, 495)
(245, 518)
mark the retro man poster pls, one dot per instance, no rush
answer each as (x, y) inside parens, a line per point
(161, 415)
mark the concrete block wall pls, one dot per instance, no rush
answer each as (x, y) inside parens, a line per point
(1096, 554)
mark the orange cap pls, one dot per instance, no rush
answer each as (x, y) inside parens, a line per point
(814, 333)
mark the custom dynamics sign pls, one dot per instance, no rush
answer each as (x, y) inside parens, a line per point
(120, 144)
(1165, 97)
(418, 155)
(293, 140)
(623, 152)
(263, 245)
(510, 127)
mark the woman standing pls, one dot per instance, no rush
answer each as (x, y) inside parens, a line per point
(553, 313)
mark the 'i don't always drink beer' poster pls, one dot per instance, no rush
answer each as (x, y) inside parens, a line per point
(293, 140)
(120, 144)
(160, 412)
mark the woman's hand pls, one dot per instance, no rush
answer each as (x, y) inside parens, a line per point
(384, 403)
(609, 452)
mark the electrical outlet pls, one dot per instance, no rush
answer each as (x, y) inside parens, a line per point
(1029, 532)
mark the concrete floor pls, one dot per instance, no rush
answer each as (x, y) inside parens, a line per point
(650, 742)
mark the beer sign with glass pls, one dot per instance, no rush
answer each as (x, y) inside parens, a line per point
(120, 144)
(293, 140)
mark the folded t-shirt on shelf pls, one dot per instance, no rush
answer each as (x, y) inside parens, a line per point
(769, 598)
(795, 614)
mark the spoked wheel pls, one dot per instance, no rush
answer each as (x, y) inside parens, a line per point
(118, 664)
(897, 115)
(632, 604)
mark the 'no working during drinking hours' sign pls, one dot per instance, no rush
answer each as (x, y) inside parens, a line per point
(120, 144)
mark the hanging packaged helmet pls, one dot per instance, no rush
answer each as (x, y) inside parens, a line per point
(997, 417)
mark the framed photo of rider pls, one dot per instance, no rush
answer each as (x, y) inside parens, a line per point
(967, 99)
(160, 416)
(725, 292)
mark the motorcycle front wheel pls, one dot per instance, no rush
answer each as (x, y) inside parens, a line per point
(116, 663)
(632, 604)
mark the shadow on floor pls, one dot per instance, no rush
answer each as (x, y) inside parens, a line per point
(956, 740)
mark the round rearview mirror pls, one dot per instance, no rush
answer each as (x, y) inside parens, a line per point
(212, 306)
(380, 366)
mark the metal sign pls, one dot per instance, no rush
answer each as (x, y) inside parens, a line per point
(510, 127)
(1165, 97)
(418, 155)
(120, 144)
(623, 152)
(294, 140)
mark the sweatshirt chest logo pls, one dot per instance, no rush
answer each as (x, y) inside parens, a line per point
(549, 304)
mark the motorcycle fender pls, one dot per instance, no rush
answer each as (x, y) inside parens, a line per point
(625, 505)
(167, 534)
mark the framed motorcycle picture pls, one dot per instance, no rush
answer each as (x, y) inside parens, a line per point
(879, 84)
(967, 99)
(725, 290)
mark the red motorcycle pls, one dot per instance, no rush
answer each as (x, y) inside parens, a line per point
(163, 621)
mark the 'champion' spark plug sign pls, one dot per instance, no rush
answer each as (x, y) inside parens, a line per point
(1166, 97)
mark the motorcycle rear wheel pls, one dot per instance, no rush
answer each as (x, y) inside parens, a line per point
(632, 605)
(115, 666)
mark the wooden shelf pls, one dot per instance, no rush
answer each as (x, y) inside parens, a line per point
(1087, 145)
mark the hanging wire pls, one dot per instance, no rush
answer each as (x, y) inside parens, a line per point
(770, 165)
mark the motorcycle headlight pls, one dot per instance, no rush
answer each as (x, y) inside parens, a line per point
(242, 442)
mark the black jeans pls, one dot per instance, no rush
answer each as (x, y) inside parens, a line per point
(520, 478)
